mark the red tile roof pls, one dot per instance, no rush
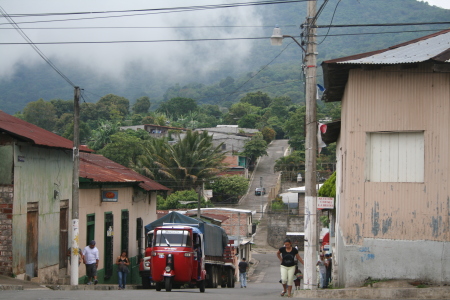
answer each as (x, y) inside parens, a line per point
(100, 169)
(31, 133)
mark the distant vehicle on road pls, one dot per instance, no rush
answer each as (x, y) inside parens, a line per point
(260, 191)
(299, 177)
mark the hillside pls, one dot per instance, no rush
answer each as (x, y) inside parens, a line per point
(269, 69)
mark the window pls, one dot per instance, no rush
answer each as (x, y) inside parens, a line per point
(125, 230)
(90, 230)
(395, 157)
(109, 245)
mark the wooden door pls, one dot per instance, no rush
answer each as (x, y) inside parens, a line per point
(63, 237)
(32, 243)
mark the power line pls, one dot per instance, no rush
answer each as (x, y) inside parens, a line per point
(155, 11)
(38, 51)
(151, 27)
(331, 22)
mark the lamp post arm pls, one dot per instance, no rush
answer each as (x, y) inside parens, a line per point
(295, 41)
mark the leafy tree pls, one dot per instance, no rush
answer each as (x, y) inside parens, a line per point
(142, 105)
(102, 135)
(178, 106)
(40, 113)
(268, 134)
(226, 187)
(248, 121)
(62, 106)
(109, 107)
(258, 99)
(84, 131)
(255, 148)
(328, 189)
(295, 129)
(181, 199)
(124, 148)
(239, 110)
(290, 165)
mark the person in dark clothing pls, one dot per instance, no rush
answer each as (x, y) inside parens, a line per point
(287, 255)
(329, 269)
(243, 267)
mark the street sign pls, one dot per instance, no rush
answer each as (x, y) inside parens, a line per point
(325, 203)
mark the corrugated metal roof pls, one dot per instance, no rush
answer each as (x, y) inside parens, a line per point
(435, 47)
(31, 133)
(101, 169)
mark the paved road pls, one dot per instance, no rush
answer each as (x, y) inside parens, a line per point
(264, 170)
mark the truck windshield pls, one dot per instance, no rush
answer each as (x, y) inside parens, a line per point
(173, 238)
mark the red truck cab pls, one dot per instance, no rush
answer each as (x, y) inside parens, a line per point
(177, 257)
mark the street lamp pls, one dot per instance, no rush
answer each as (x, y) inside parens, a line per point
(277, 38)
(310, 256)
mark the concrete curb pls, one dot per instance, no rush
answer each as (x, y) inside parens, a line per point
(377, 293)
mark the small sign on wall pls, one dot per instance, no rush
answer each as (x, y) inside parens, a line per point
(325, 202)
(110, 196)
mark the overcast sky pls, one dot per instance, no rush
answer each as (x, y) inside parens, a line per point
(114, 59)
(440, 3)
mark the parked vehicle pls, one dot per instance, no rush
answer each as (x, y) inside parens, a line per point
(188, 251)
(260, 191)
(144, 264)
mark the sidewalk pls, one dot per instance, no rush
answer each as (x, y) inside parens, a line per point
(9, 283)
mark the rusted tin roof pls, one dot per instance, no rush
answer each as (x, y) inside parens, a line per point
(98, 168)
(433, 48)
(28, 132)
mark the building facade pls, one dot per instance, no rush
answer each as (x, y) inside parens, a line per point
(393, 166)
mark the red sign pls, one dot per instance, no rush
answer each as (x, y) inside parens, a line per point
(325, 203)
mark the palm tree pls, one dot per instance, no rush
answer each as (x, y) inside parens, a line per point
(185, 165)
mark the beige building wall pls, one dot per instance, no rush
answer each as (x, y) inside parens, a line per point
(384, 226)
(141, 205)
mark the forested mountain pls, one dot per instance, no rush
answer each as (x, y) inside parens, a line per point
(270, 69)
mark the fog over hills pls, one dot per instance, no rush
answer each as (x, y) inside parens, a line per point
(164, 45)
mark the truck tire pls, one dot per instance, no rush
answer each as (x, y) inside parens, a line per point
(158, 286)
(201, 286)
(168, 284)
(145, 282)
(230, 278)
(209, 276)
(215, 277)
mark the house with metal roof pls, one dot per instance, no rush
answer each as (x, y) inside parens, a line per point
(36, 203)
(35, 198)
(115, 204)
(393, 162)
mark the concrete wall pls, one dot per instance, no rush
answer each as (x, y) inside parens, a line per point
(397, 259)
(279, 224)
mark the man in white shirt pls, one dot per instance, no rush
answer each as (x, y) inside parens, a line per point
(90, 257)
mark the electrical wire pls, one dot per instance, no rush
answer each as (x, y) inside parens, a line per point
(331, 22)
(153, 27)
(33, 45)
(262, 69)
(162, 11)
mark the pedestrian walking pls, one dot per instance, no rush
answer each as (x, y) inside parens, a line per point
(322, 264)
(329, 269)
(91, 258)
(243, 267)
(122, 270)
(287, 255)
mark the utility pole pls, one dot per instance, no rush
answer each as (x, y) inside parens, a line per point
(310, 256)
(74, 253)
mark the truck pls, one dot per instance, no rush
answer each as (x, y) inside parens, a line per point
(186, 251)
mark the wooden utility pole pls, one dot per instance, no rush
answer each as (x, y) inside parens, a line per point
(74, 253)
(310, 256)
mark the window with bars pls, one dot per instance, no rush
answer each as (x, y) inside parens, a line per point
(124, 234)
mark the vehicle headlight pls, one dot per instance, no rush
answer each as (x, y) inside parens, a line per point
(147, 263)
(187, 254)
(168, 269)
